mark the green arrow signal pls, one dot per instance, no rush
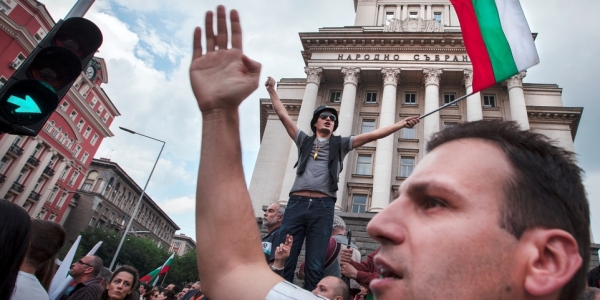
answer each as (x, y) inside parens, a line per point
(26, 105)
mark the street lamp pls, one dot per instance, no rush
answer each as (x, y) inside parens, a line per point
(137, 206)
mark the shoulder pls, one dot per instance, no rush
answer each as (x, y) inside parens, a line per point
(287, 291)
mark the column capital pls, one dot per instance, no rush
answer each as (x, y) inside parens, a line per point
(432, 76)
(467, 78)
(351, 75)
(515, 81)
(313, 75)
(391, 76)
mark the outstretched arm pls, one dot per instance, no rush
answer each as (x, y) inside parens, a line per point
(384, 131)
(228, 252)
(281, 112)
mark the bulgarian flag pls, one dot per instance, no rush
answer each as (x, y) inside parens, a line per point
(497, 38)
(152, 277)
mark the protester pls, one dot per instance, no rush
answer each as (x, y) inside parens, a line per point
(339, 234)
(172, 287)
(152, 294)
(46, 240)
(143, 289)
(85, 278)
(166, 295)
(184, 290)
(591, 293)
(332, 288)
(506, 207)
(593, 279)
(104, 275)
(272, 221)
(362, 272)
(14, 240)
(309, 212)
(194, 293)
(121, 284)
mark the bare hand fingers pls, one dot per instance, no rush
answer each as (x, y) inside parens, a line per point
(210, 35)
(236, 30)
(221, 28)
(197, 44)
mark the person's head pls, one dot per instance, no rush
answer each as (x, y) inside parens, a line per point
(47, 238)
(85, 268)
(273, 216)
(121, 284)
(196, 285)
(339, 226)
(332, 288)
(14, 241)
(144, 288)
(166, 295)
(152, 294)
(172, 287)
(325, 120)
(508, 208)
(105, 275)
(591, 293)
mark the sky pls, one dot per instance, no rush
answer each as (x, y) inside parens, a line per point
(147, 47)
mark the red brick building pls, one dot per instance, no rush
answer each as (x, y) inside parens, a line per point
(42, 173)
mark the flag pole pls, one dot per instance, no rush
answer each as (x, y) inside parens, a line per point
(445, 105)
(163, 282)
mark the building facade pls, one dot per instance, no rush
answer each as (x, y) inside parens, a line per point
(42, 173)
(107, 199)
(182, 244)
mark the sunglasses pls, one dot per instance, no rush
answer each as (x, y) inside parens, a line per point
(324, 116)
(82, 263)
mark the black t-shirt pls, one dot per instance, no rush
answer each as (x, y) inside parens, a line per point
(267, 244)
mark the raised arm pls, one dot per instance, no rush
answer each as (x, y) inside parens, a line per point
(384, 131)
(228, 252)
(281, 112)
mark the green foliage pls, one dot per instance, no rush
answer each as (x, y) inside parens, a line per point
(184, 269)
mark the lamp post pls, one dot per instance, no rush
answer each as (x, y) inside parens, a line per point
(137, 206)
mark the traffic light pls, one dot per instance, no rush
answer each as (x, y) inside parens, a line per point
(33, 92)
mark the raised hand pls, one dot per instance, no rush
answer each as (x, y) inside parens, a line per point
(270, 84)
(410, 122)
(222, 78)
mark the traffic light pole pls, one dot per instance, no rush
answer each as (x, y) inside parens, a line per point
(80, 8)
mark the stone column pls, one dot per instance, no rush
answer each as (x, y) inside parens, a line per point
(17, 166)
(422, 13)
(385, 146)
(404, 12)
(313, 80)
(447, 15)
(381, 17)
(429, 17)
(398, 11)
(431, 79)
(474, 111)
(32, 179)
(5, 143)
(346, 114)
(518, 108)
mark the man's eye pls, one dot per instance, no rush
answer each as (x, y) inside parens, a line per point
(431, 202)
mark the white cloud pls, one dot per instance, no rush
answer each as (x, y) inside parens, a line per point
(180, 205)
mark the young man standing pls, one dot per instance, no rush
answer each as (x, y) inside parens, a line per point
(309, 211)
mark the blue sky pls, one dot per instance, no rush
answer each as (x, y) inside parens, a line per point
(147, 48)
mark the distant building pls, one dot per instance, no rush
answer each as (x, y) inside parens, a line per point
(42, 173)
(182, 244)
(108, 198)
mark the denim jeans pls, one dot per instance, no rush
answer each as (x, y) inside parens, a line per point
(310, 218)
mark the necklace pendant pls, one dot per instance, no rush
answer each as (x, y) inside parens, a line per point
(315, 156)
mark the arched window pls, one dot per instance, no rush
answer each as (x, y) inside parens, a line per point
(50, 126)
(70, 143)
(108, 187)
(92, 175)
(63, 137)
(57, 132)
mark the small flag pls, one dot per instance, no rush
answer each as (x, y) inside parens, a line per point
(150, 277)
(497, 38)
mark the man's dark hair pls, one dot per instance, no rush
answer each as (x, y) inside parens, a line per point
(545, 190)
(97, 265)
(47, 238)
(590, 293)
(14, 242)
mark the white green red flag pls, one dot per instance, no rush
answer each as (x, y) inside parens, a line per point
(150, 277)
(497, 38)
(167, 265)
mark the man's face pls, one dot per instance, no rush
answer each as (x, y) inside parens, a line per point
(170, 287)
(440, 239)
(142, 290)
(196, 286)
(270, 217)
(327, 124)
(326, 287)
(81, 267)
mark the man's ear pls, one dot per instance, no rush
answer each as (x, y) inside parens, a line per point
(552, 260)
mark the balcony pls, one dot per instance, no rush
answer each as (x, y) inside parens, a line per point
(49, 172)
(33, 161)
(15, 150)
(2, 178)
(17, 187)
(34, 196)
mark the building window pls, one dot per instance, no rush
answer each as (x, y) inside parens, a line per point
(64, 173)
(449, 124)
(64, 105)
(368, 125)
(389, 15)
(105, 211)
(489, 101)
(3, 163)
(449, 98)
(437, 16)
(92, 221)
(409, 133)
(49, 125)
(92, 175)
(93, 102)
(84, 157)
(335, 96)
(371, 97)
(73, 115)
(70, 143)
(63, 138)
(112, 216)
(52, 217)
(106, 117)
(99, 224)
(73, 178)
(410, 98)
(407, 165)
(413, 15)
(98, 208)
(77, 150)
(86, 186)
(87, 132)
(2, 81)
(100, 110)
(359, 203)
(94, 139)
(62, 199)
(363, 166)
(57, 132)
(42, 214)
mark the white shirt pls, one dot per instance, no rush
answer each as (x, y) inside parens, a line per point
(287, 291)
(28, 287)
